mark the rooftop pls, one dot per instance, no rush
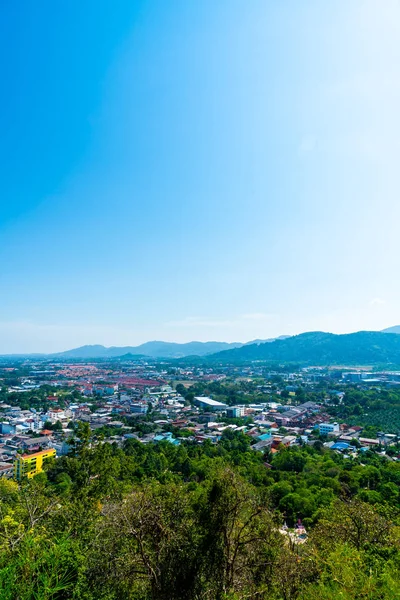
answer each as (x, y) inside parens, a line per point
(37, 453)
(208, 401)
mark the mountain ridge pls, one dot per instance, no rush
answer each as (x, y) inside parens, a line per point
(320, 348)
(394, 329)
(154, 349)
(160, 349)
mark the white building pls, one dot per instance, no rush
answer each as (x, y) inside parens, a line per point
(55, 414)
(209, 403)
(328, 428)
(235, 411)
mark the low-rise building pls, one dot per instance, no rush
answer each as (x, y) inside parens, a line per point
(28, 465)
(235, 411)
(369, 441)
(327, 428)
(6, 469)
(139, 408)
(209, 403)
(56, 414)
(32, 443)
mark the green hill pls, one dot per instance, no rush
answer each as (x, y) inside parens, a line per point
(319, 348)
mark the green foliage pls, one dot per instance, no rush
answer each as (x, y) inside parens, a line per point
(319, 348)
(290, 459)
(57, 426)
(190, 522)
(374, 409)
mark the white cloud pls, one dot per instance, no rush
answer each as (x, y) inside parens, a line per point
(377, 302)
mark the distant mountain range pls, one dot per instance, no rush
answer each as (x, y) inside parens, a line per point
(395, 329)
(155, 349)
(318, 348)
(150, 349)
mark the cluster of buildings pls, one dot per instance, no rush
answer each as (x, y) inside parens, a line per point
(23, 455)
(14, 420)
(119, 395)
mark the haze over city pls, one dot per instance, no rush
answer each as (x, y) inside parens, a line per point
(197, 171)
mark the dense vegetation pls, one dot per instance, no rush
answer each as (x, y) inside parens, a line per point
(374, 409)
(318, 348)
(386, 419)
(245, 391)
(162, 522)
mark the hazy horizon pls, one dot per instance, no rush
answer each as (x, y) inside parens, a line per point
(172, 341)
(211, 171)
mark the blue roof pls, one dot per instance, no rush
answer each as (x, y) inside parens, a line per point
(340, 446)
(166, 437)
(264, 436)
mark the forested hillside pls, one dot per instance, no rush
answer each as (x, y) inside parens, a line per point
(318, 348)
(164, 522)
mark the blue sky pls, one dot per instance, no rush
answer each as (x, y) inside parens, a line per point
(223, 169)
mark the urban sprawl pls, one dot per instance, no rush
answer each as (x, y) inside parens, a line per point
(156, 402)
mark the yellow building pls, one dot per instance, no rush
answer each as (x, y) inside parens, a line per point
(28, 465)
